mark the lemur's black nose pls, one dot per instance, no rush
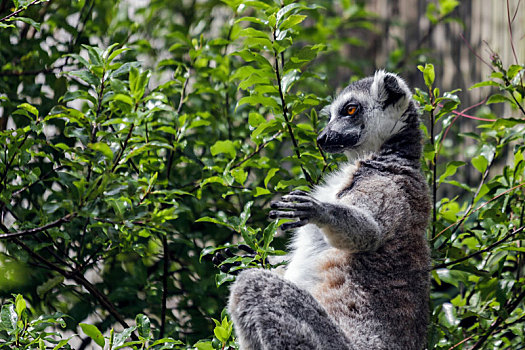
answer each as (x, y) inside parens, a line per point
(321, 139)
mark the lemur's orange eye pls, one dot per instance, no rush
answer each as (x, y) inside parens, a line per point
(351, 110)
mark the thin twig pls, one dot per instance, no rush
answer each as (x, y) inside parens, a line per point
(509, 235)
(286, 112)
(461, 342)
(179, 109)
(18, 11)
(32, 231)
(433, 165)
(509, 23)
(165, 276)
(257, 150)
(123, 148)
(475, 53)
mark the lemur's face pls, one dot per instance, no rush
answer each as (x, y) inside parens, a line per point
(365, 114)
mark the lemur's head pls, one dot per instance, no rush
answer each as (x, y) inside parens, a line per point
(365, 114)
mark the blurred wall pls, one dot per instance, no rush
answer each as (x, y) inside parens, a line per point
(483, 25)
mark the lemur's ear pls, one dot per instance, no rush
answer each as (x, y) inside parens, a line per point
(389, 89)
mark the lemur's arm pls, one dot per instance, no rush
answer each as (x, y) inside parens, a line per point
(362, 220)
(346, 227)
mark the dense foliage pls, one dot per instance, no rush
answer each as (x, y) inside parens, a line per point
(138, 141)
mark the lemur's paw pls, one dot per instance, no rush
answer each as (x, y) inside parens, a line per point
(296, 204)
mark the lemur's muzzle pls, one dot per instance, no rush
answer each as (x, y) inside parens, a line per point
(337, 142)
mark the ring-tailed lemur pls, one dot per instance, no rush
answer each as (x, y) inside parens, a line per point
(358, 277)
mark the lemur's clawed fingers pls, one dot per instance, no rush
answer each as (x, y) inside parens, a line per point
(280, 214)
(300, 193)
(290, 205)
(295, 224)
(296, 204)
(247, 249)
(297, 198)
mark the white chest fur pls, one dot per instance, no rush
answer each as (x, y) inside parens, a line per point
(309, 243)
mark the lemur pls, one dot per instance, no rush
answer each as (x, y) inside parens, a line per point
(358, 273)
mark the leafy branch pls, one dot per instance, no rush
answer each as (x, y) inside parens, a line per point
(23, 8)
(33, 231)
(479, 252)
(509, 307)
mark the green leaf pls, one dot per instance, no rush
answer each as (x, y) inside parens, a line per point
(268, 234)
(447, 6)
(480, 163)
(450, 170)
(259, 191)
(78, 94)
(428, 74)
(29, 21)
(20, 305)
(253, 33)
(253, 79)
(116, 53)
(221, 334)
(94, 55)
(87, 76)
(245, 215)
(222, 278)
(8, 318)
(123, 98)
(120, 338)
(498, 99)
(93, 332)
(49, 285)
(291, 21)
(240, 175)
(166, 341)
(29, 108)
(484, 83)
(287, 9)
(62, 343)
(143, 325)
(289, 79)
(255, 100)
(203, 345)
(251, 56)
(129, 345)
(79, 58)
(255, 119)
(270, 175)
(448, 317)
(223, 147)
(138, 82)
(102, 148)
